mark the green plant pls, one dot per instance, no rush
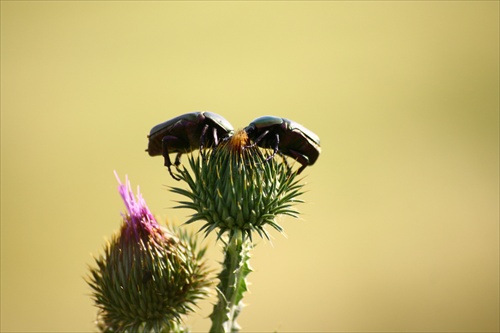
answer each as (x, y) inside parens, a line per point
(150, 276)
(237, 191)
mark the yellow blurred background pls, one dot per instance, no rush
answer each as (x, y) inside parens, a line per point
(400, 229)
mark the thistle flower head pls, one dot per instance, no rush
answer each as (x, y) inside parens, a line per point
(149, 276)
(239, 189)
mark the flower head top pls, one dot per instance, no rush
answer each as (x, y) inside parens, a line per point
(140, 222)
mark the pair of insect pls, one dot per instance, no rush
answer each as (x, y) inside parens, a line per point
(197, 130)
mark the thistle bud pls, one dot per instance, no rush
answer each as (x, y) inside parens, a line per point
(149, 276)
(237, 188)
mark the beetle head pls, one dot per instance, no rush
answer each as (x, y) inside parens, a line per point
(250, 130)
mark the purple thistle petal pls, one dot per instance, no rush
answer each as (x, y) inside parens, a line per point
(139, 219)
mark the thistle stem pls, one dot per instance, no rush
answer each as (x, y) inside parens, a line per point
(232, 285)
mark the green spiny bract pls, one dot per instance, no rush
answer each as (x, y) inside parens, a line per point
(237, 188)
(148, 283)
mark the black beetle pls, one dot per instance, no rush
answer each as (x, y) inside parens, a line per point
(186, 133)
(286, 137)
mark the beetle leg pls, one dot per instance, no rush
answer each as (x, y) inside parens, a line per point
(176, 163)
(275, 148)
(172, 174)
(256, 141)
(283, 157)
(168, 162)
(164, 147)
(302, 159)
(301, 168)
(202, 140)
(177, 160)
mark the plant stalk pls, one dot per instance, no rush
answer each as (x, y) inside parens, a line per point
(232, 285)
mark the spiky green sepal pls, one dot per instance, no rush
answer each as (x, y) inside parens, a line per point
(148, 285)
(235, 189)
